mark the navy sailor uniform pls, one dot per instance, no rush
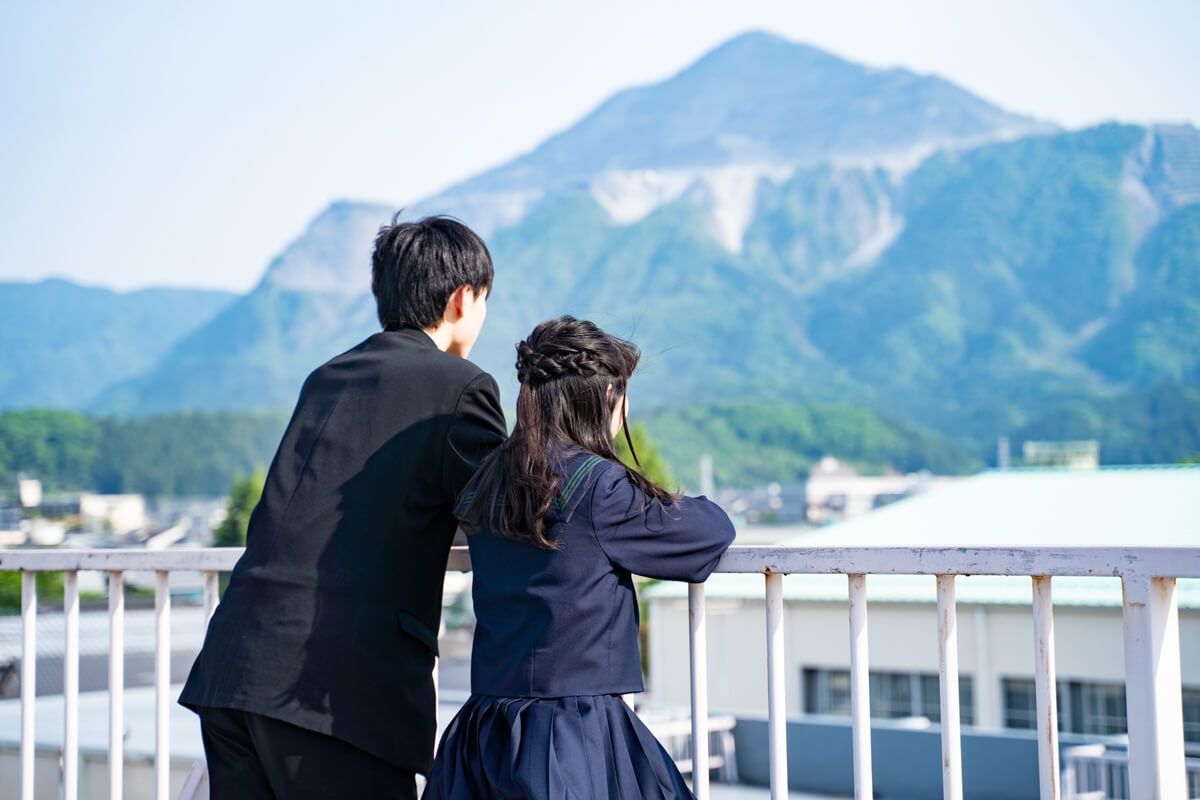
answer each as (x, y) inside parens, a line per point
(556, 644)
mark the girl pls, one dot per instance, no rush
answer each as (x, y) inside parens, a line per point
(557, 526)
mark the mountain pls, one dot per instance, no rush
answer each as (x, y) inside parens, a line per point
(986, 288)
(1018, 267)
(64, 343)
(678, 170)
(309, 306)
(753, 108)
(778, 226)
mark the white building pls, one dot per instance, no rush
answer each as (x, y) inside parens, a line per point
(123, 513)
(1136, 506)
(29, 490)
(836, 491)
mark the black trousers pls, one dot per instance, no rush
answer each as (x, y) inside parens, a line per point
(252, 757)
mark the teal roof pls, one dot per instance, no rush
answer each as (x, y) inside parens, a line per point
(1106, 507)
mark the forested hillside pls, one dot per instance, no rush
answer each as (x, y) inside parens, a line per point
(171, 455)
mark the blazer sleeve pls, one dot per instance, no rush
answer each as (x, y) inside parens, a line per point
(476, 430)
(638, 534)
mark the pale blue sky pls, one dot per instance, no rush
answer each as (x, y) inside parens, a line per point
(152, 143)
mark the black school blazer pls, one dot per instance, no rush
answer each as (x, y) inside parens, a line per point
(330, 618)
(555, 623)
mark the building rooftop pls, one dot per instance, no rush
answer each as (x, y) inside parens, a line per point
(1121, 506)
(1143, 506)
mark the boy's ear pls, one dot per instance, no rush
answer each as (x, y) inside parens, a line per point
(458, 300)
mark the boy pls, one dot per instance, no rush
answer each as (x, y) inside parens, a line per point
(315, 679)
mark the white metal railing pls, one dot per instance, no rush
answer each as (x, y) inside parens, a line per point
(209, 561)
(679, 740)
(116, 563)
(1093, 772)
(1152, 666)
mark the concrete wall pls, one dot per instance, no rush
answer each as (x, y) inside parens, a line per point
(93, 775)
(906, 764)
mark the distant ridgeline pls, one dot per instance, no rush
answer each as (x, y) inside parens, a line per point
(773, 226)
(200, 453)
(751, 444)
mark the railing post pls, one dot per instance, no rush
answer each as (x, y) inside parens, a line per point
(71, 686)
(860, 689)
(212, 594)
(948, 682)
(116, 684)
(988, 714)
(28, 679)
(698, 650)
(776, 698)
(162, 685)
(1047, 699)
(1153, 690)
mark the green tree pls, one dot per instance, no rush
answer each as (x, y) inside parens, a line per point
(58, 447)
(49, 590)
(185, 453)
(653, 466)
(244, 495)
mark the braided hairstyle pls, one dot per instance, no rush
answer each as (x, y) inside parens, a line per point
(573, 379)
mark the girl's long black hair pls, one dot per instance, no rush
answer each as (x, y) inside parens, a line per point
(566, 368)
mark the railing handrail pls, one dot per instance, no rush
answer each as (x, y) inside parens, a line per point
(184, 559)
(1034, 560)
(199, 559)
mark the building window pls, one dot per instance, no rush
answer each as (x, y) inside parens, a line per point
(1098, 708)
(1191, 715)
(1020, 704)
(1103, 708)
(893, 694)
(827, 691)
(931, 698)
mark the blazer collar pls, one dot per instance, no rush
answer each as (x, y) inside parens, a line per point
(411, 334)
(574, 466)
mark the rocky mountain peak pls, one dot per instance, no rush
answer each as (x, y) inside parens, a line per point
(333, 254)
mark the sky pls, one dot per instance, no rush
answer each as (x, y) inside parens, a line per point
(185, 144)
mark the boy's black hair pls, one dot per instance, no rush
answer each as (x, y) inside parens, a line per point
(418, 265)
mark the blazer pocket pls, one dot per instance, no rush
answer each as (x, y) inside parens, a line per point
(418, 630)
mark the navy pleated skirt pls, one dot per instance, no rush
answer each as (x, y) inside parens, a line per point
(584, 748)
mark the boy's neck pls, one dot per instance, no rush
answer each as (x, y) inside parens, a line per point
(440, 336)
(443, 337)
